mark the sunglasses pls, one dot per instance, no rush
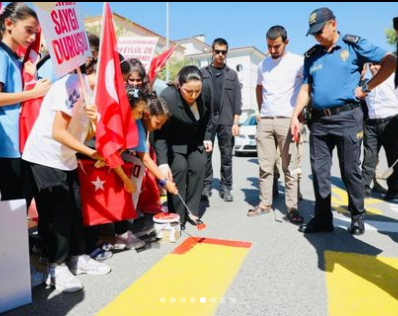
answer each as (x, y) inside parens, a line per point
(218, 51)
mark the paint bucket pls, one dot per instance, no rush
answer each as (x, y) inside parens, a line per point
(167, 226)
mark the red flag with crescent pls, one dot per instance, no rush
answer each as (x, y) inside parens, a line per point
(116, 129)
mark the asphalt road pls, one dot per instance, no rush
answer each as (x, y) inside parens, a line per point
(284, 272)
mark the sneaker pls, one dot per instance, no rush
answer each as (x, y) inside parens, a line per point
(100, 254)
(129, 241)
(36, 277)
(85, 265)
(62, 279)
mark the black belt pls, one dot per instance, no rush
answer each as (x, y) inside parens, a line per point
(381, 120)
(334, 111)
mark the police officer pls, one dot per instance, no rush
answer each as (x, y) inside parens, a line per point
(331, 76)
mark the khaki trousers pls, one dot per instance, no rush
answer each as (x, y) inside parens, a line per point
(271, 134)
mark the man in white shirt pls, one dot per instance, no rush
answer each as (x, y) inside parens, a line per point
(381, 129)
(279, 79)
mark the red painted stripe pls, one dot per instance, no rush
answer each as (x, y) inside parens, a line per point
(191, 242)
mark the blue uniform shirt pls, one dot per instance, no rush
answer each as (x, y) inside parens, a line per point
(11, 79)
(334, 76)
(142, 145)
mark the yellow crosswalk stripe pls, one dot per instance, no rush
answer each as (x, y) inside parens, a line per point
(190, 281)
(361, 285)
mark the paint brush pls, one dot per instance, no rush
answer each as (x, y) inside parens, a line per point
(199, 224)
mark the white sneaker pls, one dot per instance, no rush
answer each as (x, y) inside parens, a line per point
(36, 277)
(85, 265)
(62, 279)
(129, 241)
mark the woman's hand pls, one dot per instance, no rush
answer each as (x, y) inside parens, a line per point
(208, 145)
(171, 187)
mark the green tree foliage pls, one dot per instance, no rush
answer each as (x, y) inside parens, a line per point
(391, 36)
(174, 67)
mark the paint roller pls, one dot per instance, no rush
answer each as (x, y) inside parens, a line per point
(199, 224)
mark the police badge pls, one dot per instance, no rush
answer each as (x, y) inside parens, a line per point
(344, 55)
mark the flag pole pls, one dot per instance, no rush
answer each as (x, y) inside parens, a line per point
(167, 41)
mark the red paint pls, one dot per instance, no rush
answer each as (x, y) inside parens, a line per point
(191, 242)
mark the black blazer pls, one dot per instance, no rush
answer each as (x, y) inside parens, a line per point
(182, 133)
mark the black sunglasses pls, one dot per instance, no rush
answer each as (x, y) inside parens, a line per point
(218, 51)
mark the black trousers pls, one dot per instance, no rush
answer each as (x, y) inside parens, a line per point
(188, 174)
(344, 131)
(225, 144)
(11, 179)
(380, 133)
(57, 197)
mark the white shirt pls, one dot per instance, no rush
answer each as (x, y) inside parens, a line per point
(41, 148)
(382, 101)
(281, 80)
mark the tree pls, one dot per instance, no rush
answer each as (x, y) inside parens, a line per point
(391, 36)
(175, 64)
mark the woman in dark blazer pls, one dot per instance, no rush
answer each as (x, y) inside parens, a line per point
(182, 143)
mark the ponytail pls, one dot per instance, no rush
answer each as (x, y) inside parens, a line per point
(15, 11)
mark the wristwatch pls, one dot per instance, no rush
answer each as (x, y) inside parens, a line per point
(162, 182)
(365, 88)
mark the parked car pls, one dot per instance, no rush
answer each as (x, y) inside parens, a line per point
(245, 142)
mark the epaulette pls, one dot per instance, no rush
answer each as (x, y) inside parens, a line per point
(353, 39)
(311, 51)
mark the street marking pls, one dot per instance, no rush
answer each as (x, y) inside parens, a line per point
(340, 203)
(199, 269)
(381, 226)
(361, 284)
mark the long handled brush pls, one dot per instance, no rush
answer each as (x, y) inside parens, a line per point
(199, 224)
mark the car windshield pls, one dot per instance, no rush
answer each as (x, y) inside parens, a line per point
(250, 121)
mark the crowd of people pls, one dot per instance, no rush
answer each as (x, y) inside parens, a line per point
(183, 122)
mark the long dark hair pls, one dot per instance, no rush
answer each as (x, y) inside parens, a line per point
(131, 65)
(157, 106)
(15, 11)
(135, 95)
(186, 74)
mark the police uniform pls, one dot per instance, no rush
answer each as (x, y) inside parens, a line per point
(337, 119)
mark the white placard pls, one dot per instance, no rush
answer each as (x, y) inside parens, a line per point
(66, 38)
(138, 47)
(15, 289)
(137, 175)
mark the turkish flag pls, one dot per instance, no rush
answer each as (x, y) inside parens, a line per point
(116, 129)
(158, 62)
(104, 199)
(29, 109)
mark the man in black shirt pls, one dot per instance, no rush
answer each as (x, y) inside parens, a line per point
(221, 87)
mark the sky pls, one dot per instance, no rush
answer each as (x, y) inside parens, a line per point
(246, 23)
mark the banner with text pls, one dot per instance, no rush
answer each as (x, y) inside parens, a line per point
(141, 48)
(65, 35)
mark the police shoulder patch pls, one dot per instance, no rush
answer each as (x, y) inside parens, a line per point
(311, 51)
(353, 39)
